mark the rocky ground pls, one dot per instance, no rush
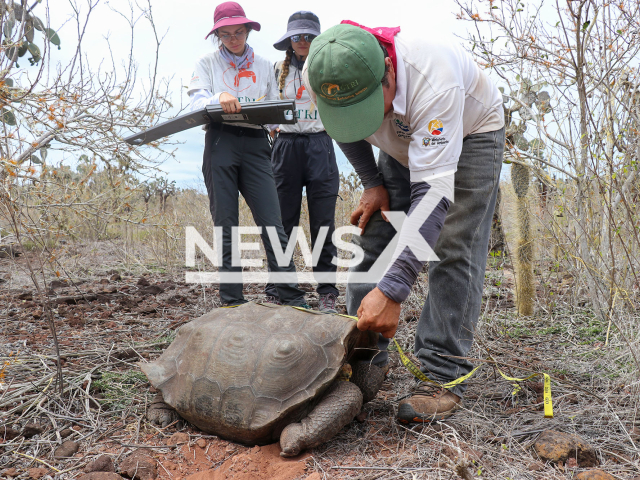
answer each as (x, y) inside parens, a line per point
(109, 316)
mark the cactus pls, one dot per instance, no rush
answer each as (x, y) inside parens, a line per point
(525, 284)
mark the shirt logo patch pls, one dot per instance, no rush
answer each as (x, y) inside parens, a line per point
(340, 93)
(434, 142)
(401, 125)
(239, 80)
(435, 127)
(291, 91)
(330, 89)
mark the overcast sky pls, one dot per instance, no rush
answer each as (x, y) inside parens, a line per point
(185, 23)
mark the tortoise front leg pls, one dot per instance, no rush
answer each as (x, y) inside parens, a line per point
(339, 405)
(161, 413)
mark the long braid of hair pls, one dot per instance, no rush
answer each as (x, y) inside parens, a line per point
(285, 71)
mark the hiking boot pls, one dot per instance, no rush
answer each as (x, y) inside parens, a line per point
(327, 303)
(428, 403)
(271, 299)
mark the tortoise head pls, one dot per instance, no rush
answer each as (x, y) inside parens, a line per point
(361, 345)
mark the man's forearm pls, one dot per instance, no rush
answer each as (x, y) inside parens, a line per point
(429, 205)
(360, 155)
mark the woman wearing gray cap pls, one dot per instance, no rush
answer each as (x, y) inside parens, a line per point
(237, 157)
(303, 156)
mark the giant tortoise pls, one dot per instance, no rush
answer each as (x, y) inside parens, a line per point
(257, 373)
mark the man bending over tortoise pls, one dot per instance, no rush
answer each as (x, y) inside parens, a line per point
(439, 124)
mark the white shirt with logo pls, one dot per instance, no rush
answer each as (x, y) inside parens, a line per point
(295, 89)
(441, 97)
(213, 76)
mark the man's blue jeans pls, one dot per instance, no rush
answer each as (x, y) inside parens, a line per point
(452, 307)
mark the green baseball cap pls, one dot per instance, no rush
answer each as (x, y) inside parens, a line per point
(345, 69)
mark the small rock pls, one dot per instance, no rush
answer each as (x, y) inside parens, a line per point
(177, 438)
(65, 433)
(125, 354)
(101, 476)
(77, 321)
(553, 446)
(10, 472)
(536, 467)
(103, 463)
(143, 282)
(37, 473)
(7, 433)
(594, 475)
(151, 290)
(362, 416)
(31, 430)
(139, 466)
(571, 398)
(571, 463)
(202, 443)
(66, 450)
(57, 284)
(93, 402)
(149, 308)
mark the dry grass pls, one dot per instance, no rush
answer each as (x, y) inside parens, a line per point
(592, 364)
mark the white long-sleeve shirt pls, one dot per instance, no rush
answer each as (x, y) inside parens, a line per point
(441, 97)
(213, 75)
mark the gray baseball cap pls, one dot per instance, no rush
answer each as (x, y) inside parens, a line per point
(299, 23)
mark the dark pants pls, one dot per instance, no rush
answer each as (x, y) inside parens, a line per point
(452, 307)
(308, 160)
(239, 160)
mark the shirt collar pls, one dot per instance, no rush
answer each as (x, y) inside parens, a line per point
(400, 100)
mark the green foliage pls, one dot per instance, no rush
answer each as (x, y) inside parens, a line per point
(53, 37)
(19, 39)
(8, 117)
(120, 388)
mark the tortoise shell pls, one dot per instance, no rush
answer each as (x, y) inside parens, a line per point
(244, 373)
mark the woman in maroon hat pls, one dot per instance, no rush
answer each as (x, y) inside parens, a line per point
(237, 158)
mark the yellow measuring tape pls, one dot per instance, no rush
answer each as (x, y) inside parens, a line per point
(416, 372)
(548, 402)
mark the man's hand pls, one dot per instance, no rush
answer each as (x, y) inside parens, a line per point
(379, 313)
(372, 200)
(229, 103)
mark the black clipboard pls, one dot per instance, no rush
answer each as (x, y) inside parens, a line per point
(256, 113)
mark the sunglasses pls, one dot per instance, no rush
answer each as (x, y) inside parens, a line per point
(227, 38)
(307, 38)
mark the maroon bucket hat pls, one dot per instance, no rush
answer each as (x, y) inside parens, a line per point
(230, 13)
